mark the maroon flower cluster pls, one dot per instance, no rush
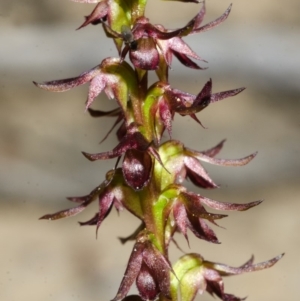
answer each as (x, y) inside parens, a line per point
(150, 180)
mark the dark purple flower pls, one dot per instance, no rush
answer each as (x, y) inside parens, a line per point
(149, 268)
(164, 101)
(188, 104)
(103, 77)
(137, 162)
(202, 275)
(145, 41)
(112, 192)
(140, 42)
(186, 211)
(182, 163)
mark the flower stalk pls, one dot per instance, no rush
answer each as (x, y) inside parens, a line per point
(149, 173)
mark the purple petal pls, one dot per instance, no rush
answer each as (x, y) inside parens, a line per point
(193, 116)
(166, 116)
(201, 101)
(130, 141)
(91, 222)
(69, 83)
(158, 32)
(197, 174)
(222, 162)
(137, 167)
(226, 270)
(180, 97)
(214, 23)
(205, 93)
(221, 95)
(81, 199)
(248, 262)
(200, 181)
(212, 152)
(68, 212)
(99, 12)
(227, 206)
(179, 46)
(180, 218)
(201, 230)
(166, 51)
(146, 284)
(160, 268)
(146, 56)
(216, 286)
(200, 16)
(193, 205)
(98, 83)
(105, 204)
(132, 271)
(183, 59)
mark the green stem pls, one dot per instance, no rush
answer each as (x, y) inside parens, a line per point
(153, 214)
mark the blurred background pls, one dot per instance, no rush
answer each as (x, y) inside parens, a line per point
(42, 135)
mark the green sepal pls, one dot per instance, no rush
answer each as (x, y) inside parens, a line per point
(149, 108)
(159, 208)
(124, 85)
(132, 202)
(187, 271)
(162, 71)
(170, 149)
(171, 155)
(130, 199)
(137, 9)
(118, 15)
(124, 12)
